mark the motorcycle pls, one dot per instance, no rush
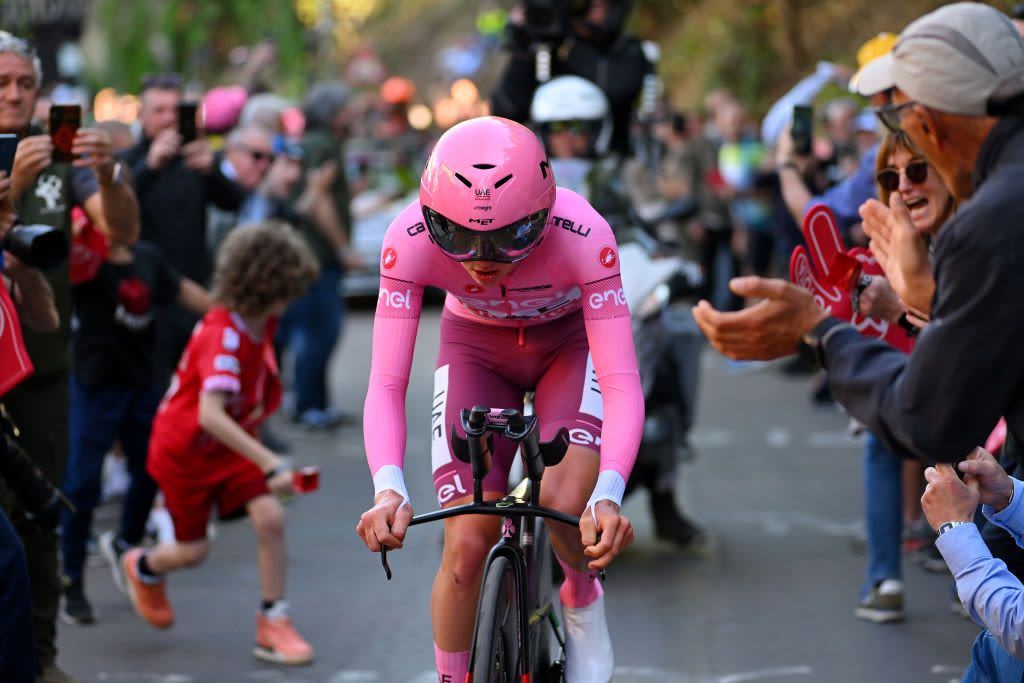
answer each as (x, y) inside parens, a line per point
(659, 288)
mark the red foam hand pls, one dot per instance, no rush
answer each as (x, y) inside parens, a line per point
(829, 298)
(830, 272)
(89, 247)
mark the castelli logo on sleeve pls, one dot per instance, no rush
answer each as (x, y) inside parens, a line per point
(474, 289)
(389, 258)
(607, 257)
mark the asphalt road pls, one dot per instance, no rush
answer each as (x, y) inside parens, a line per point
(776, 481)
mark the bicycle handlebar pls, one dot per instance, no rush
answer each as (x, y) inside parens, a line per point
(497, 508)
(479, 424)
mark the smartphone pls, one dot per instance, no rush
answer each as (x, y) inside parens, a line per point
(8, 146)
(802, 129)
(188, 124)
(306, 479)
(65, 120)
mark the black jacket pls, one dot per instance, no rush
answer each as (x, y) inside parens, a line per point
(968, 367)
(172, 208)
(618, 69)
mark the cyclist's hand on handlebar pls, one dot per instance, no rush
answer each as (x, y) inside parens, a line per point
(614, 530)
(386, 522)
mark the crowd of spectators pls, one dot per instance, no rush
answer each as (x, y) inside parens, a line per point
(929, 193)
(148, 208)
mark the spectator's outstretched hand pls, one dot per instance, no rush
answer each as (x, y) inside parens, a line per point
(769, 329)
(900, 251)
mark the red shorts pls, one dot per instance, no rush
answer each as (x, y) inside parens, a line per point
(480, 364)
(226, 480)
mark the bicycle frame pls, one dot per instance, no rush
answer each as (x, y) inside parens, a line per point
(479, 425)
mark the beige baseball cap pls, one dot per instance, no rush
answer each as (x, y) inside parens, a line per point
(966, 58)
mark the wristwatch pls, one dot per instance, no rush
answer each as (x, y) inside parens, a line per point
(943, 528)
(812, 344)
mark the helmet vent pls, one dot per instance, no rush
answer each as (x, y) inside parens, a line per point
(544, 165)
(484, 167)
(463, 180)
(502, 181)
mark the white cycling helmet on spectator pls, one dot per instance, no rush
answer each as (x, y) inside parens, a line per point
(573, 103)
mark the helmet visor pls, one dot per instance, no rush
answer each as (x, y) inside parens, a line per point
(507, 244)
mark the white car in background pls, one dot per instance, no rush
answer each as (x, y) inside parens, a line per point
(372, 213)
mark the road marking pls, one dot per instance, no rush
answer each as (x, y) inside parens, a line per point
(778, 437)
(947, 670)
(148, 678)
(353, 676)
(776, 523)
(711, 438)
(767, 673)
(839, 438)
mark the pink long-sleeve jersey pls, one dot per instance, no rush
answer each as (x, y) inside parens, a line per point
(575, 266)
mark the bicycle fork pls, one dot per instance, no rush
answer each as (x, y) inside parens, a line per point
(509, 548)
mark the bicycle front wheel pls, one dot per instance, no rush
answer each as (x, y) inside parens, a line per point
(497, 645)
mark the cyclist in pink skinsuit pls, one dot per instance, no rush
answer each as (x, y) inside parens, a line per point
(534, 302)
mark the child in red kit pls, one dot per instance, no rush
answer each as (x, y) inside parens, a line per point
(204, 450)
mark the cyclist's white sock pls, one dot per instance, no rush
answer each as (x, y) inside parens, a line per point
(580, 588)
(451, 666)
(588, 647)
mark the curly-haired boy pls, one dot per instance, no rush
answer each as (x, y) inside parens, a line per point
(204, 450)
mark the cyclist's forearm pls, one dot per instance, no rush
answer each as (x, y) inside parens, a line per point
(611, 346)
(384, 429)
(622, 398)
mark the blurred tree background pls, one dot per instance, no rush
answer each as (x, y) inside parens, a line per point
(757, 48)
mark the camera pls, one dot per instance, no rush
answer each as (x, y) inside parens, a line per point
(547, 21)
(37, 246)
(41, 499)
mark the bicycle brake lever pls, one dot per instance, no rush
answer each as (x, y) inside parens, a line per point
(384, 560)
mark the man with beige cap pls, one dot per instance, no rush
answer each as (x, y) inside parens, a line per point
(956, 79)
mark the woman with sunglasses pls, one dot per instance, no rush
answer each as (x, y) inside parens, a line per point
(887, 479)
(907, 289)
(534, 303)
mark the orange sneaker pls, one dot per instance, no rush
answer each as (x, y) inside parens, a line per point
(148, 599)
(277, 640)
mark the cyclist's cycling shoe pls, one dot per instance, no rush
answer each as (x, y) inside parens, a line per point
(588, 647)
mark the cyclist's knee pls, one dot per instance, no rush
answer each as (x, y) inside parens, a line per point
(565, 499)
(464, 556)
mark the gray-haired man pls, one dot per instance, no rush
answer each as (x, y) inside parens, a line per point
(44, 192)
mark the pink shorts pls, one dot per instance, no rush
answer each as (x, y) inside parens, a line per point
(481, 364)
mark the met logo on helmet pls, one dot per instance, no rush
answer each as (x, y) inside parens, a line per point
(389, 258)
(482, 221)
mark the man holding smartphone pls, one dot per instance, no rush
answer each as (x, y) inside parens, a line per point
(44, 192)
(844, 198)
(175, 181)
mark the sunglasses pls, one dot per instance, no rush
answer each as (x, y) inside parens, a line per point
(890, 114)
(889, 178)
(258, 154)
(575, 127)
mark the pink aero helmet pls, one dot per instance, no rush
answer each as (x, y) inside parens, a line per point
(486, 191)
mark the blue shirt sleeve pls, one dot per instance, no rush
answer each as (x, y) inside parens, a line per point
(992, 595)
(845, 198)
